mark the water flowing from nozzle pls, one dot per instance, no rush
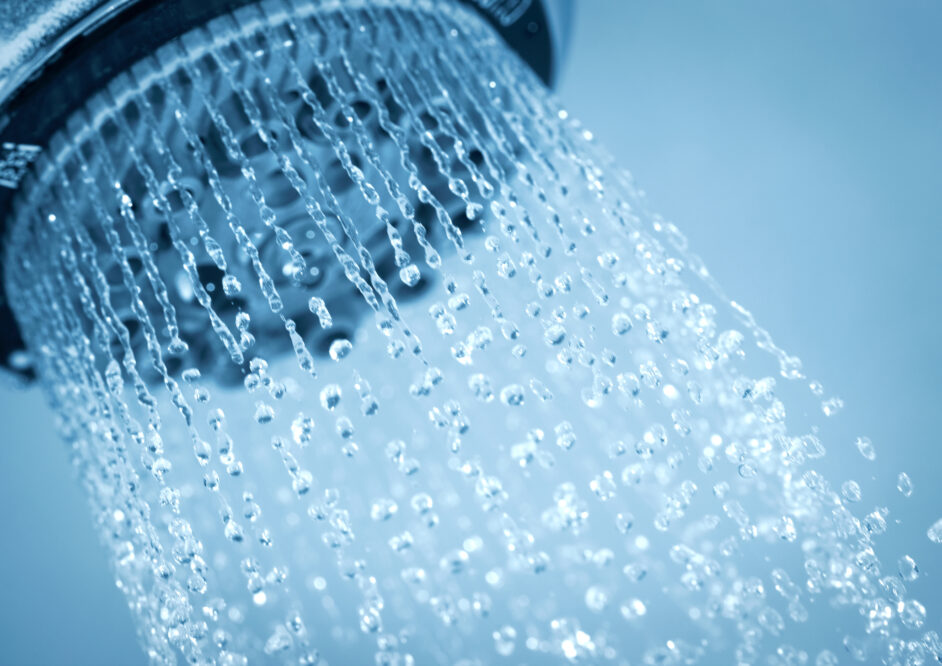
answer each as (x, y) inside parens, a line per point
(368, 352)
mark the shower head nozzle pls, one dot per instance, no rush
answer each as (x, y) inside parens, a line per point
(60, 53)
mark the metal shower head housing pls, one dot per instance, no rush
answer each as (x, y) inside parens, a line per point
(58, 54)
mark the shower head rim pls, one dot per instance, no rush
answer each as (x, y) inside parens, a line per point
(538, 35)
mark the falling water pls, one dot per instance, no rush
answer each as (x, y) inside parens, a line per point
(365, 351)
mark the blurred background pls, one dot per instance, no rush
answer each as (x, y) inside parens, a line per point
(799, 147)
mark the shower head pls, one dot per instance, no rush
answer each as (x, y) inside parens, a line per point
(59, 54)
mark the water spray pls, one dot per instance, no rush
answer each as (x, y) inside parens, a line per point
(367, 352)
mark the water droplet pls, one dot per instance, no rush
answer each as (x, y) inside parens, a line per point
(330, 397)
(912, 614)
(280, 640)
(370, 621)
(624, 521)
(907, 568)
(603, 486)
(512, 395)
(555, 334)
(189, 375)
(340, 349)
(747, 470)
(826, 658)
(422, 503)
(596, 599)
(401, 542)
(480, 386)
(832, 406)
(454, 561)
(935, 531)
(234, 531)
(177, 347)
(505, 266)
(264, 412)
(904, 484)
(410, 275)
(383, 509)
(565, 437)
(634, 572)
(851, 491)
(505, 640)
(875, 522)
(231, 285)
(865, 446)
(785, 529)
(633, 609)
(301, 483)
(302, 429)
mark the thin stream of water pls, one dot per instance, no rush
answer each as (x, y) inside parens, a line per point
(555, 441)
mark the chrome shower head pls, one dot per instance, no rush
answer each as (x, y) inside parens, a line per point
(86, 52)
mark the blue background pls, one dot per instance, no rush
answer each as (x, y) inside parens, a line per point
(798, 145)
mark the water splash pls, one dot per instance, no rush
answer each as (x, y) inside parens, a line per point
(556, 440)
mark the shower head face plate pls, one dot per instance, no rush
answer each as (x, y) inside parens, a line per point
(112, 39)
(316, 81)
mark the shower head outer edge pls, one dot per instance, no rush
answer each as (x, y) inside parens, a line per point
(43, 78)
